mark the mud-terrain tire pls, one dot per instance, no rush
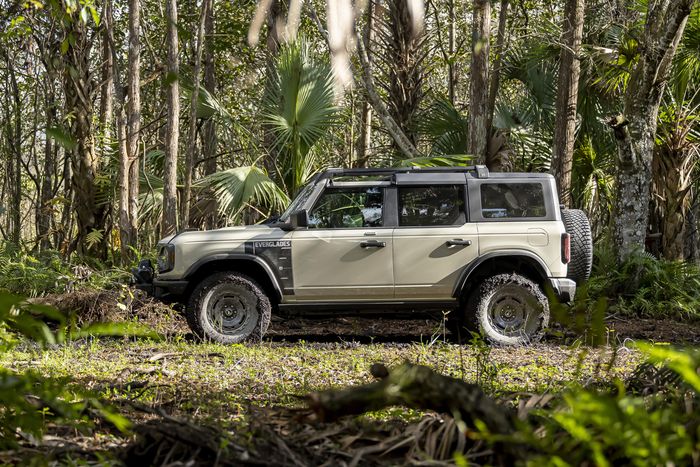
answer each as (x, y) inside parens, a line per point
(228, 308)
(508, 309)
(577, 225)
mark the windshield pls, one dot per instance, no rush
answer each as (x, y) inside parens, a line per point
(298, 202)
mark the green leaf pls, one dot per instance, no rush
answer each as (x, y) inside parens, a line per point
(62, 137)
(95, 15)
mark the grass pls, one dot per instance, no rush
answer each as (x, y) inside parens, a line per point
(216, 383)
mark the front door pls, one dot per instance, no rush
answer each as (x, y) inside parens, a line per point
(433, 241)
(346, 252)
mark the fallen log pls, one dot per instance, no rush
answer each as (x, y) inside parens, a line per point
(417, 387)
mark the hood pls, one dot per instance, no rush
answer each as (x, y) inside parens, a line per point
(226, 233)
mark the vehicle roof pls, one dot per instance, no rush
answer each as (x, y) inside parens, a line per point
(422, 174)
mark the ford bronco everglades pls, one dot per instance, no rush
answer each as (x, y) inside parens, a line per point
(487, 247)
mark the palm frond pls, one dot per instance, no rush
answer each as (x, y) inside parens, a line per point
(444, 127)
(298, 109)
(236, 188)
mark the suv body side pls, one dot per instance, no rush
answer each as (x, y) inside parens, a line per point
(413, 263)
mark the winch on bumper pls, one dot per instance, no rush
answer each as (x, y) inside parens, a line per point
(144, 279)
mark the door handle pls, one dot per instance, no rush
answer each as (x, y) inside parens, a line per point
(372, 244)
(458, 242)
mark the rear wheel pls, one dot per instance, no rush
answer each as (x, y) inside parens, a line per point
(229, 308)
(509, 309)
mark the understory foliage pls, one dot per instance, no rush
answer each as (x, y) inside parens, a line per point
(644, 285)
(621, 425)
(49, 272)
(30, 401)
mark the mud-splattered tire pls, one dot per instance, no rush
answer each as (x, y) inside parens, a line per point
(508, 309)
(577, 225)
(228, 308)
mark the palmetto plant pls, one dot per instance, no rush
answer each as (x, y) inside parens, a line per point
(299, 110)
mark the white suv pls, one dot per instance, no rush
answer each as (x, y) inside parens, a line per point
(487, 247)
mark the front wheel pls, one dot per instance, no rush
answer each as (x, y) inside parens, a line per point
(229, 308)
(509, 309)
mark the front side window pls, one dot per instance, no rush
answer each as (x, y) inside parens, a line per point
(339, 208)
(432, 205)
(504, 200)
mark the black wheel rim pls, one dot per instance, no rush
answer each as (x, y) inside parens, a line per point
(514, 312)
(231, 309)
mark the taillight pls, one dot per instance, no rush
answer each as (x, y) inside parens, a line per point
(565, 248)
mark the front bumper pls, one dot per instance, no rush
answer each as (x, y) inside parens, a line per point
(564, 289)
(143, 278)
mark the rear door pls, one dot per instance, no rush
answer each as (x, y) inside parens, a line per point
(346, 252)
(433, 241)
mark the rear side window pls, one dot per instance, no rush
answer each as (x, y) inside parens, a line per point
(433, 205)
(504, 200)
(342, 208)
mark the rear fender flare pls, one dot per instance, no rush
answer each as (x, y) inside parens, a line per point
(539, 265)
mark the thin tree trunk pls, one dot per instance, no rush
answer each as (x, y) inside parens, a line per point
(451, 33)
(497, 63)
(15, 177)
(107, 92)
(192, 134)
(173, 129)
(567, 98)
(635, 130)
(134, 127)
(45, 214)
(365, 139)
(478, 111)
(209, 143)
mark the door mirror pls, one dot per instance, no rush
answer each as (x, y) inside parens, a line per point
(299, 219)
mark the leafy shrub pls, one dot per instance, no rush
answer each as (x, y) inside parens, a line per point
(28, 401)
(644, 285)
(597, 427)
(28, 275)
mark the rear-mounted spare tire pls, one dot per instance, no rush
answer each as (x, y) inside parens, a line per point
(577, 225)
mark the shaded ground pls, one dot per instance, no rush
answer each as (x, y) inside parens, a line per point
(91, 306)
(251, 398)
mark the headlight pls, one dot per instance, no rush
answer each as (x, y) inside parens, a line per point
(166, 258)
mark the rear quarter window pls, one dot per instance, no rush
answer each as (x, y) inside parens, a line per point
(512, 200)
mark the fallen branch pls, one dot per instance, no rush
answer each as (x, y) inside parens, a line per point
(417, 387)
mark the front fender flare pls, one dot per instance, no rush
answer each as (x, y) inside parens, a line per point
(197, 265)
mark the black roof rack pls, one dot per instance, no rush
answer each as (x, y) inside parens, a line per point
(480, 171)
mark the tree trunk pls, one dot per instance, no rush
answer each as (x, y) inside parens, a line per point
(173, 127)
(192, 134)
(365, 140)
(209, 143)
(567, 98)
(15, 166)
(107, 91)
(130, 228)
(402, 141)
(400, 56)
(498, 60)
(45, 214)
(478, 109)
(636, 128)
(451, 33)
(79, 89)
(672, 181)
